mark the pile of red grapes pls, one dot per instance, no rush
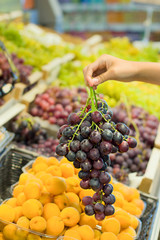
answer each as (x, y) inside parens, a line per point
(5, 70)
(56, 104)
(31, 136)
(135, 160)
(87, 140)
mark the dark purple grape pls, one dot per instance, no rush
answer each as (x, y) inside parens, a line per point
(95, 137)
(95, 173)
(68, 132)
(104, 168)
(117, 138)
(107, 135)
(87, 200)
(110, 112)
(107, 125)
(85, 184)
(85, 131)
(123, 147)
(134, 168)
(122, 128)
(79, 137)
(99, 208)
(63, 140)
(108, 189)
(114, 149)
(23, 124)
(96, 117)
(109, 210)
(132, 142)
(73, 119)
(89, 210)
(62, 149)
(96, 196)
(99, 216)
(94, 184)
(94, 154)
(109, 199)
(105, 148)
(86, 166)
(71, 156)
(84, 175)
(104, 177)
(76, 164)
(85, 124)
(81, 156)
(98, 164)
(86, 146)
(75, 145)
(119, 159)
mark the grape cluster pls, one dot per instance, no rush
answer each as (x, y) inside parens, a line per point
(29, 135)
(87, 140)
(56, 104)
(5, 71)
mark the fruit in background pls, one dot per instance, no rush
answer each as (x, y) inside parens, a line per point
(41, 217)
(144, 126)
(55, 104)
(29, 135)
(5, 71)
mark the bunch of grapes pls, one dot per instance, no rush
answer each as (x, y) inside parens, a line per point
(87, 140)
(5, 71)
(29, 135)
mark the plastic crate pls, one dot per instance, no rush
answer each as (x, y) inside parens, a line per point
(149, 215)
(11, 163)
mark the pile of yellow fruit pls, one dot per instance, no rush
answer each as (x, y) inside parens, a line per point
(47, 200)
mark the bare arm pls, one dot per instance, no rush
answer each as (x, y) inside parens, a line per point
(111, 68)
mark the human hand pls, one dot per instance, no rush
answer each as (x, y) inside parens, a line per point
(108, 67)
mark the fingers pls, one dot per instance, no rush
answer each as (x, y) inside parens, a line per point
(93, 72)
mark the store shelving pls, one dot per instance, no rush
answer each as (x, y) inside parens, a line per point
(73, 11)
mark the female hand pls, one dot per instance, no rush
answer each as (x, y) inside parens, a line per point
(108, 67)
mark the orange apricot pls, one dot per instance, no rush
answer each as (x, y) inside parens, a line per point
(32, 208)
(61, 200)
(58, 224)
(38, 224)
(7, 213)
(55, 185)
(70, 216)
(111, 225)
(108, 236)
(50, 210)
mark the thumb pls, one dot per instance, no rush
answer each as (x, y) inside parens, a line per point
(102, 78)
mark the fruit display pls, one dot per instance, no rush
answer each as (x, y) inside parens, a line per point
(33, 52)
(23, 70)
(55, 104)
(29, 135)
(49, 194)
(87, 140)
(144, 127)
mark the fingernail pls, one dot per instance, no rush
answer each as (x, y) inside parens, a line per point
(95, 80)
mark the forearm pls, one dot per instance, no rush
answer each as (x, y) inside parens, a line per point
(147, 72)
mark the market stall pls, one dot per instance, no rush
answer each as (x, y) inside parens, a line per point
(75, 163)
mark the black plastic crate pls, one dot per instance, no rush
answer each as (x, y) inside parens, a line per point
(148, 216)
(11, 163)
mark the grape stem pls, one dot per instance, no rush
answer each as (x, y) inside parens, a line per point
(92, 96)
